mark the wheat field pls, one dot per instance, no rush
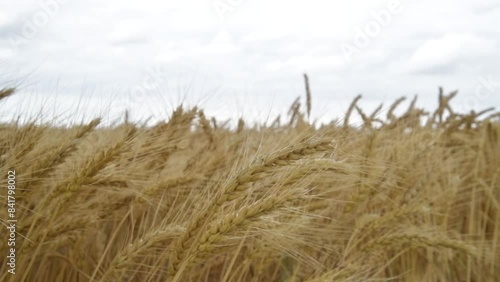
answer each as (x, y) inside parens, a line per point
(399, 197)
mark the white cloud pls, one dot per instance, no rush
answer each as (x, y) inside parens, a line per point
(307, 63)
(222, 44)
(168, 56)
(452, 48)
(4, 18)
(128, 29)
(6, 53)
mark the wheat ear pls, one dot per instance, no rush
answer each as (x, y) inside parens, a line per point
(240, 182)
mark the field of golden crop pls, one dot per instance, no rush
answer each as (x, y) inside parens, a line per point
(407, 197)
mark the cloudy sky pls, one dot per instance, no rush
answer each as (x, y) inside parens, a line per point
(235, 58)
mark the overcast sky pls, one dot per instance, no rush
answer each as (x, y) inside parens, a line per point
(244, 58)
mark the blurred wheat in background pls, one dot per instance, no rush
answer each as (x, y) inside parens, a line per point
(401, 197)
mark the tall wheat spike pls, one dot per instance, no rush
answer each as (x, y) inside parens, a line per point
(308, 96)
